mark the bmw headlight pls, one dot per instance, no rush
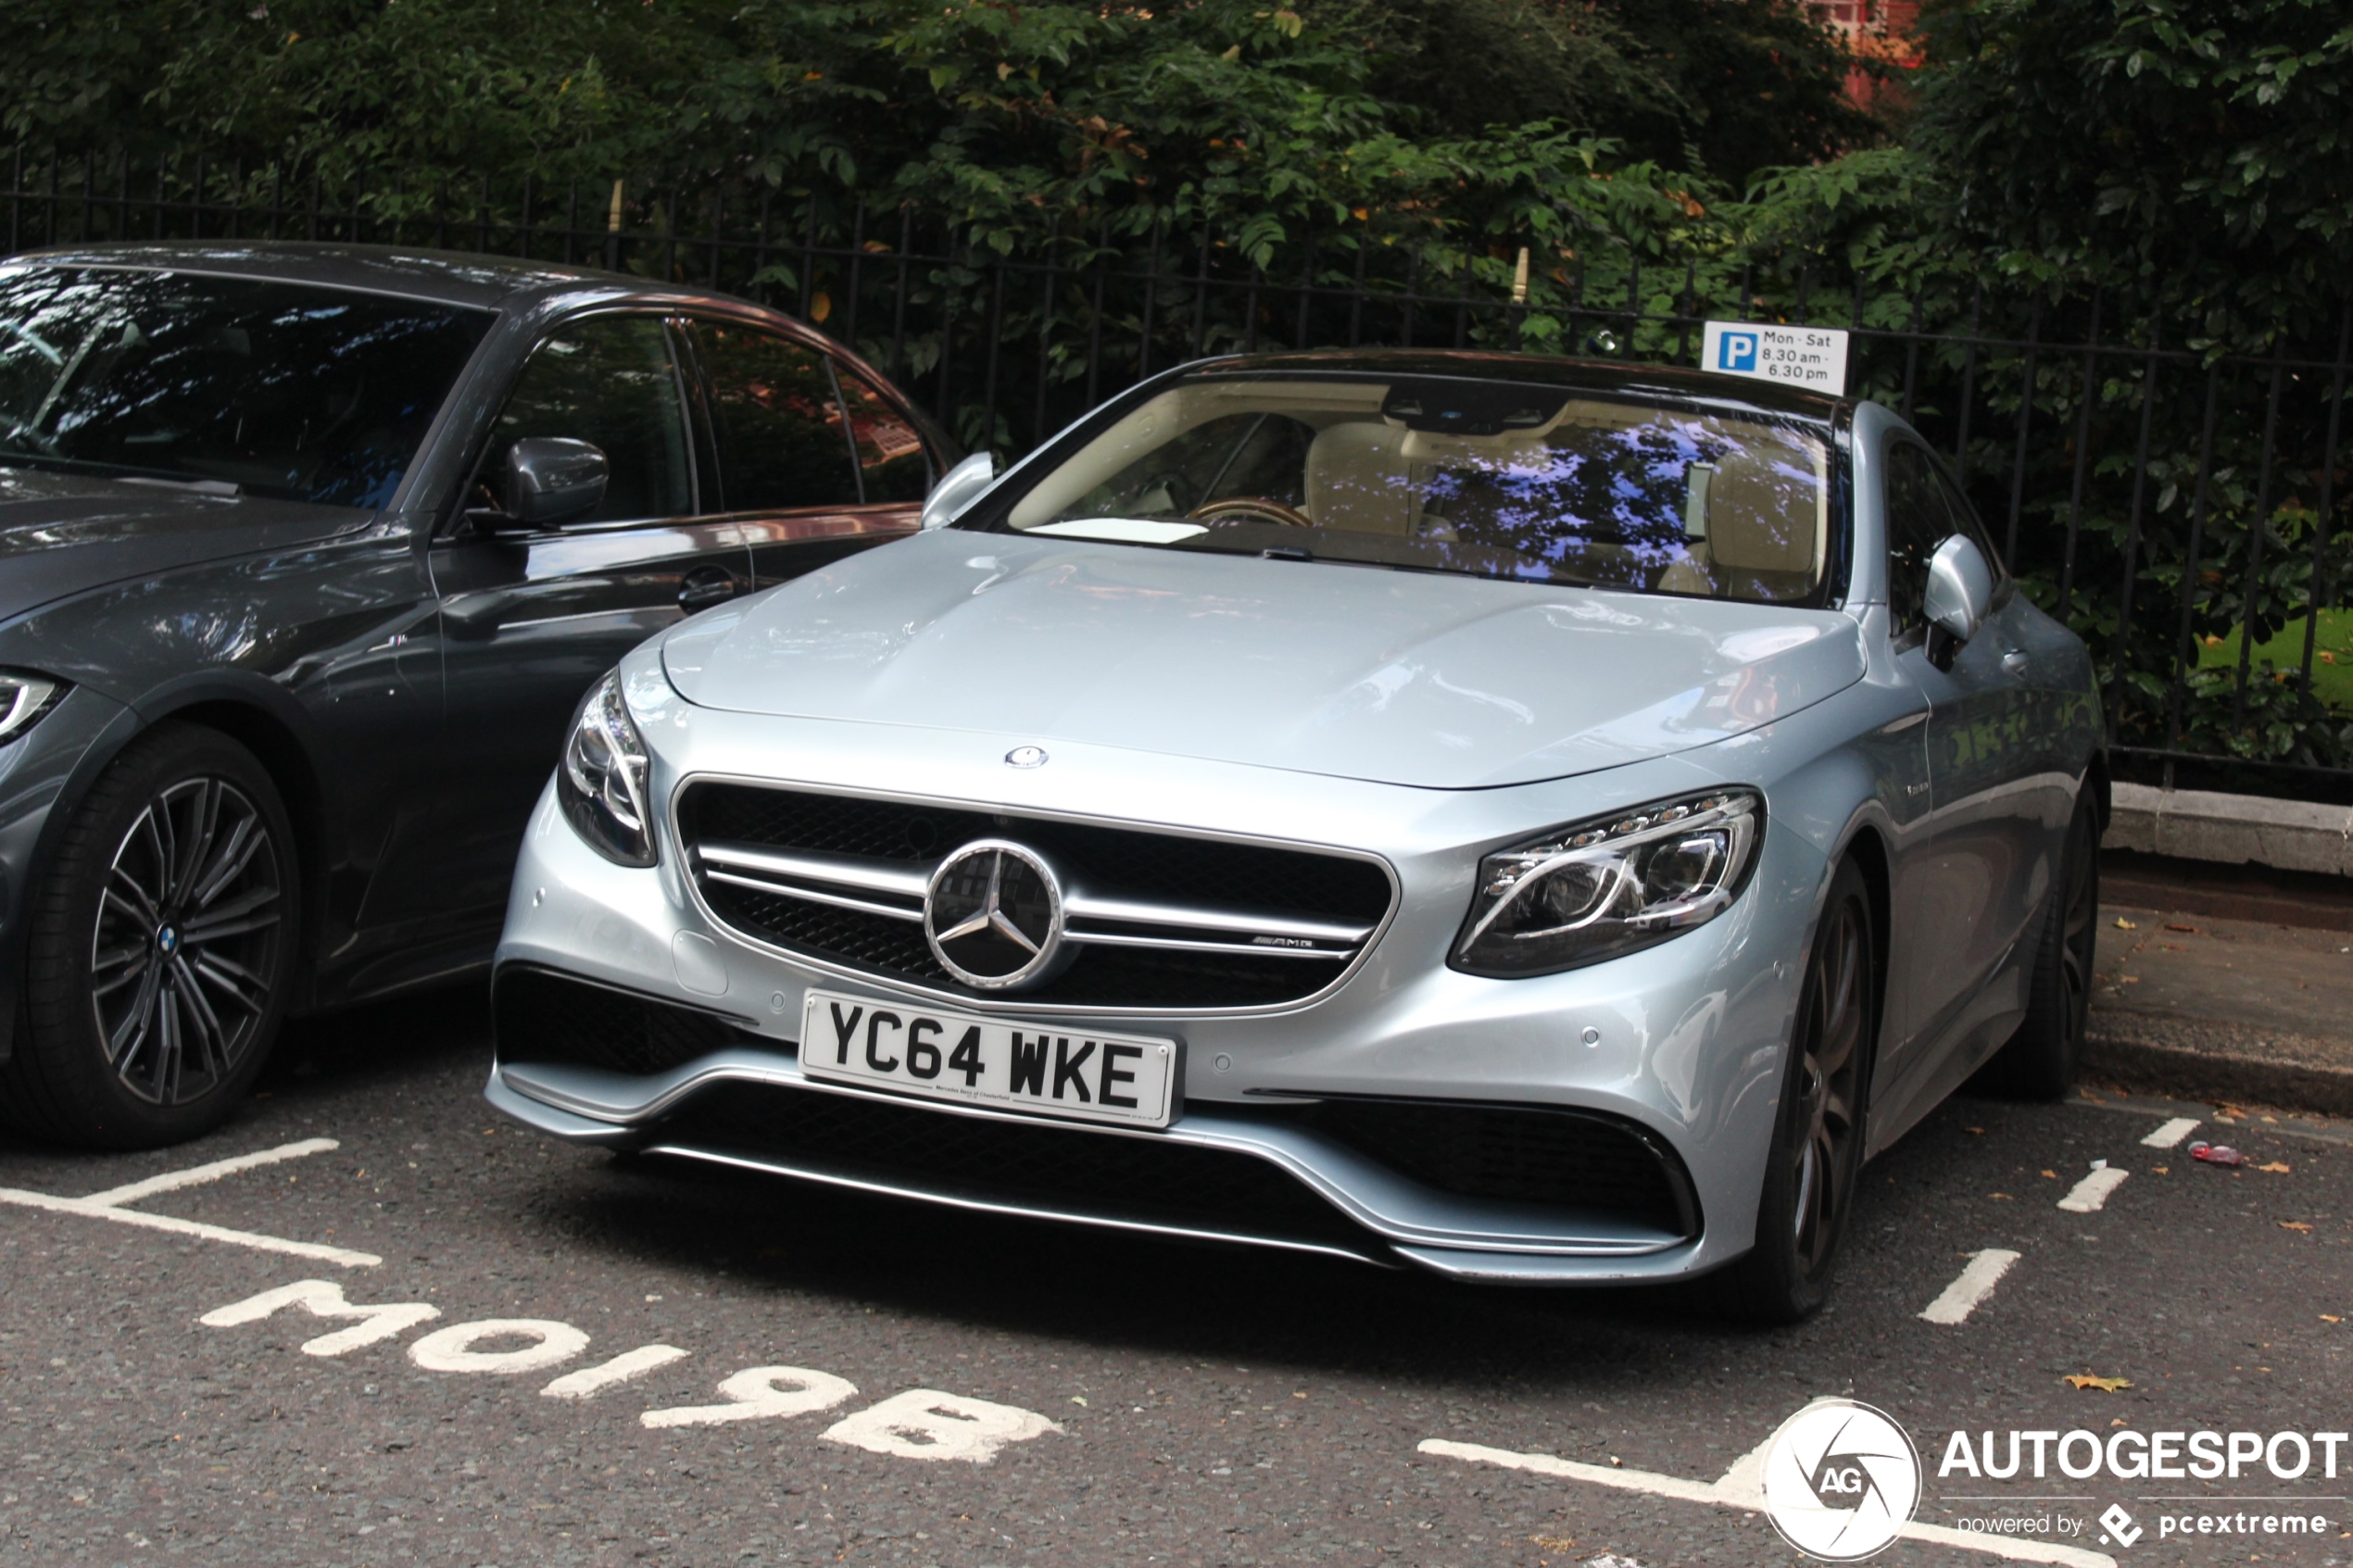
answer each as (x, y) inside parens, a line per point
(1598, 889)
(603, 781)
(23, 699)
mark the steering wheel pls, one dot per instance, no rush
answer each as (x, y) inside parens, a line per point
(1251, 506)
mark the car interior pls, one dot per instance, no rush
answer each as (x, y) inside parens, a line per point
(1576, 488)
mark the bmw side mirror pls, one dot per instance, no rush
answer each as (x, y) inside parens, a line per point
(959, 488)
(1960, 595)
(550, 481)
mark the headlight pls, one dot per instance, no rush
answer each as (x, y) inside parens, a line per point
(23, 699)
(1595, 890)
(602, 782)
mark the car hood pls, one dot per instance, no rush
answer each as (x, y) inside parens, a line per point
(1408, 678)
(65, 534)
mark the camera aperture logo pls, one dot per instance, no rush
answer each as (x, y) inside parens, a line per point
(1842, 1480)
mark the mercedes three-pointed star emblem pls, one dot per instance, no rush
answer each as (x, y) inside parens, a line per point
(993, 915)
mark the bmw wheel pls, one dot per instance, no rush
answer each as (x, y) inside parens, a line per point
(1816, 1153)
(162, 942)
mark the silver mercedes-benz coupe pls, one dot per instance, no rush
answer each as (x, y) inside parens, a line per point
(1543, 821)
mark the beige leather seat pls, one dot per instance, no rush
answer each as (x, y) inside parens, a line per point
(1358, 478)
(1760, 538)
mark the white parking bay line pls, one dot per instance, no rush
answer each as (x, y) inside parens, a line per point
(1739, 1487)
(2090, 1194)
(108, 1205)
(196, 1175)
(190, 1227)
(1977, 1282)
(2170, 1133)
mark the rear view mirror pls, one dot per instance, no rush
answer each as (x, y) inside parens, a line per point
(1960, 589)
(551, 479)
(958, 489)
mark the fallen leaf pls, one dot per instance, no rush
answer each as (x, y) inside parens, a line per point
(2162, 1169)
(2294, 1225)
(2278, 1167)
(2006, 1197)
(2104, 1385)
(2327, 1318)
(2052, 1175)
(2123, 924)
(1076, 1401)
(1979, 1131)
(1553, 1543)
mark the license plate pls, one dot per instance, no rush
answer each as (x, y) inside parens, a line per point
(1050, 1070)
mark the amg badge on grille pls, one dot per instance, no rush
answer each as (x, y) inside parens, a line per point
(993, 915)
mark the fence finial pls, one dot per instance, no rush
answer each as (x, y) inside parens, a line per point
(612, 219)
(1519, 278)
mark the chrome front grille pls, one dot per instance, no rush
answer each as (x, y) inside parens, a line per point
(1155, 920)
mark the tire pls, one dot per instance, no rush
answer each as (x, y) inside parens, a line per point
(2042, 1060)
(1817, 1155)
(162, 948)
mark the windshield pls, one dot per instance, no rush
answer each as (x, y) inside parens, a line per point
(1494, 479)
(279, 389)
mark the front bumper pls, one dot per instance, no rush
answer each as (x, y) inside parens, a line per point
(37, 770)
(1687, 1040)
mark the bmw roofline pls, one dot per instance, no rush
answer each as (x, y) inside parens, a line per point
(411, 271)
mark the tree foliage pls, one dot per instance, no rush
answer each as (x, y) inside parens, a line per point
(2196, 154)
(1021, 118)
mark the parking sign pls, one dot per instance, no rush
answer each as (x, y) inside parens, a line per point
(1812, 357)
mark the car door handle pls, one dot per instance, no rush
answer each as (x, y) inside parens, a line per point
(2015, 662)
(705, 586)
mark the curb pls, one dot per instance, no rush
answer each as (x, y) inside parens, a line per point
(2195, 824)
(2196, 1059)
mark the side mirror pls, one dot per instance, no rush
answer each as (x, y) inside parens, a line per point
(551, 479)
(1960, 589)
(958, 489)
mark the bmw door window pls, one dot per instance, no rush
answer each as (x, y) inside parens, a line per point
(610, 381)
(892, 466)
(784, 442)
(1450, 474)
(279, 389)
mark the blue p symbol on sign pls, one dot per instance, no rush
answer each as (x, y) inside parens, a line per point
(1737, 351)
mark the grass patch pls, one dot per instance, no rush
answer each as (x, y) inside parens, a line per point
(2331, 655)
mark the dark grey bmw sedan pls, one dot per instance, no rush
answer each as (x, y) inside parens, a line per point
(307, 554)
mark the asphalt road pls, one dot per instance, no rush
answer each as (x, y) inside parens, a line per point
(1207, 1406)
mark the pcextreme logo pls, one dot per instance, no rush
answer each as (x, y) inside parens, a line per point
(1840, 1480)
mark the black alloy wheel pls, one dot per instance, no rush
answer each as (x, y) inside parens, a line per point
(1833, 1030)
(2043, 1059)
(188, 928)
(161, 944)
(1813, 1167)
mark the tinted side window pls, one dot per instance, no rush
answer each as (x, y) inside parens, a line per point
(891, 463)
(1918, 520)
(1965, 521)
(610, 383)
(782, 440)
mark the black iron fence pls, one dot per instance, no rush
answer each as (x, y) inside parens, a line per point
(2181, 502)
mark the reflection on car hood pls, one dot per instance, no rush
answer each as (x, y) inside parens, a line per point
(64, 534)
(1406, 678)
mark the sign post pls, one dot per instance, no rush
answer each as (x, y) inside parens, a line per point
(1811, 357)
